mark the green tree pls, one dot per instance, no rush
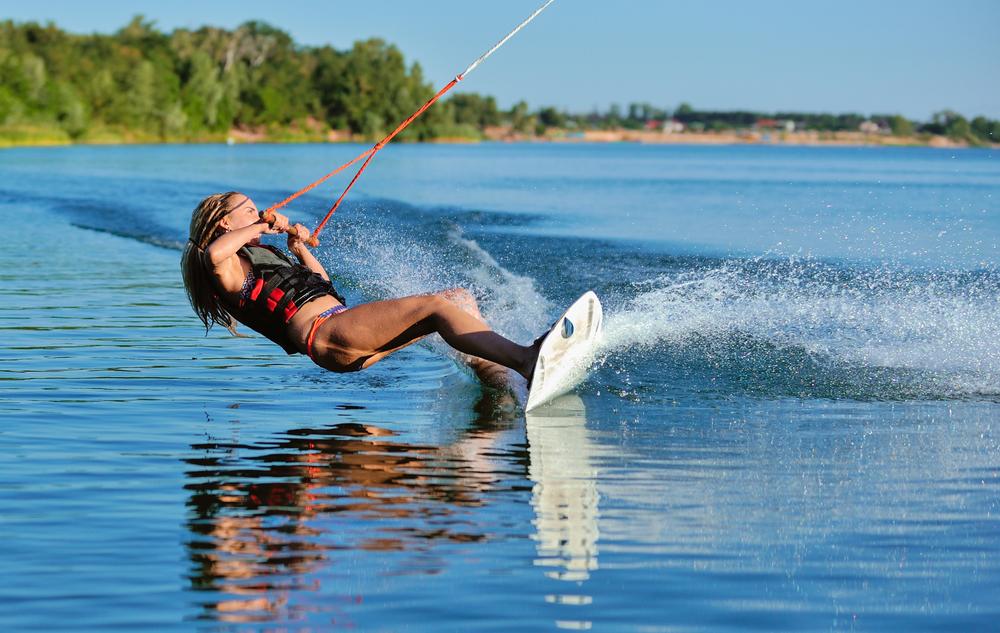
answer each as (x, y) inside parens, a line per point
(69, 109)
(375, 89)
(470, 108)
(959, 129)
(33, 78)
(952, 124)
(203, 92)
(141, 97)
(614, 118)
(986, 130)
(521, 120)
(900, 125)
(684, 110)
(550, 117)
(11, 107)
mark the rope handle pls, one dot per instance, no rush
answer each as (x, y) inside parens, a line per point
(269, 217)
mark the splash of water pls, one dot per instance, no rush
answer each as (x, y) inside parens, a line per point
(821, 330)
(773, 328)
(394, 261)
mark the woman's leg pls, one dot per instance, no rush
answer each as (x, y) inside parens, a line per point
(488, 372)
(366, 333)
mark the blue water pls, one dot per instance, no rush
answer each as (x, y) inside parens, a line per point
(793, 424)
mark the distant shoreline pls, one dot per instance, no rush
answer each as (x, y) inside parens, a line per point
(751, 137)
(506, 135)
(253, 83)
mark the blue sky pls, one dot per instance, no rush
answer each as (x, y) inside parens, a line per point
(913, 57)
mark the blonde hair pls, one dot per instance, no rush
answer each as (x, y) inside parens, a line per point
(198, 281)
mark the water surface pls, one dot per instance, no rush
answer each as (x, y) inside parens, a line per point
(792, 424)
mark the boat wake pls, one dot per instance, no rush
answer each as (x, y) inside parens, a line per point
(806, 329)
(765, 327)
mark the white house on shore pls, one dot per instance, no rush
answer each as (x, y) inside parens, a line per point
(673, 126)
(871, 127)
(778, 125)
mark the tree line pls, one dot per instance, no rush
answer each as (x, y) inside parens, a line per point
(143, 84)
(944, 123)
(191, 84)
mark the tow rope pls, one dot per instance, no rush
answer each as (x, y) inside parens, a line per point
(369, 154)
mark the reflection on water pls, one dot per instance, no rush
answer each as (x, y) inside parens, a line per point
(565, 491)
(564, 498)
(272, 521)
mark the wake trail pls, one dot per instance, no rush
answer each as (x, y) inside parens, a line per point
(779, 327)
(942, 327)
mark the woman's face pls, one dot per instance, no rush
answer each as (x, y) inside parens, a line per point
(243, 213)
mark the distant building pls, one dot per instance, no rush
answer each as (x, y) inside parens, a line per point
(786, 125)
(872, 127)
(653, 124)
(673, 126)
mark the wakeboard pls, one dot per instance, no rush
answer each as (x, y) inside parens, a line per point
(567, 351)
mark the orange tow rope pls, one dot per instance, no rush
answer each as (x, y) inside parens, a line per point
(371, 153)
(267, 214)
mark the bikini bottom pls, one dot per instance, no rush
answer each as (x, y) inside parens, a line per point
(326, 314)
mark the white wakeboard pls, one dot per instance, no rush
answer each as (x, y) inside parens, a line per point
(567, 351)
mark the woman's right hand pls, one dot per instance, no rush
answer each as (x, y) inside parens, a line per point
(279, 225)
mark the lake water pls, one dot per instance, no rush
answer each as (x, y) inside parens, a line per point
(794, 422)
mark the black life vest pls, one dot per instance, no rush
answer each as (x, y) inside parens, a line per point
(281, 287)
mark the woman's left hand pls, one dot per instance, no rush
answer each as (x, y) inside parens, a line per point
(297, 236)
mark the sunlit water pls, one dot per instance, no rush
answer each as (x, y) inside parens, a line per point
(792, 425)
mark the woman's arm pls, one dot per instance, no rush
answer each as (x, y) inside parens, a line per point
(221, 257)
(226, 245)
(297, 236)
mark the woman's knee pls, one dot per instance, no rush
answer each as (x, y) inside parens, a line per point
(459, 295)
(462, 298)
(436, 304)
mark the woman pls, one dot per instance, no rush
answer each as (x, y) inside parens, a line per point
(230, 276)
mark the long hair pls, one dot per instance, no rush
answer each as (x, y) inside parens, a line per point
(198, 281)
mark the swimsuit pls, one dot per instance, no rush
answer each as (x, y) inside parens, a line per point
(318, 321)
(247, 286)
(323, 316)
(274, 290)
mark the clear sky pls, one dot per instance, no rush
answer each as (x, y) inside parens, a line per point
(914, 57)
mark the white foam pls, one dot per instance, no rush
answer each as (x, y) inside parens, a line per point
(514, 306)
(944, 325)
(880, 319)
(389, 264)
